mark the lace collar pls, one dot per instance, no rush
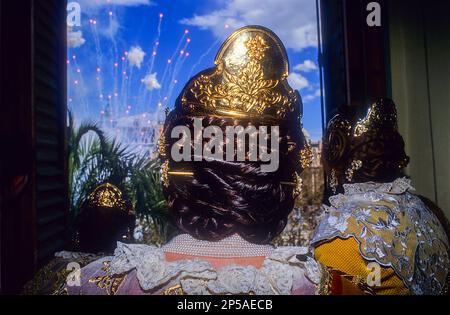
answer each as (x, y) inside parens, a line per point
(397, 187)
(370, 190)
(199, 277)
(231, 247)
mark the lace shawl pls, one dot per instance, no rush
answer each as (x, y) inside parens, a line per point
(197, 277)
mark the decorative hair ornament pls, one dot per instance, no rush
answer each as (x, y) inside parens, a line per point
(306, 156)
(347, 145)
(249, 79)
(162, 145)
(107, 196)
(382, 114)
(298, 185)
(166, 173)
(333, 181)
(356, 165)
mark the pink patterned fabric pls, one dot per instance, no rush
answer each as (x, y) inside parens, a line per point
(130, 284)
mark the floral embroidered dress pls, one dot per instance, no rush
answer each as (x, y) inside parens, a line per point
(386, 224)
(190, 266)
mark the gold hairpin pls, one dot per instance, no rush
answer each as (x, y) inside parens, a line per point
(181, 173)
(165, 173)
(297, 184)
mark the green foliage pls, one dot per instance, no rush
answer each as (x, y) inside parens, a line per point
(94, 159)
(148, 199)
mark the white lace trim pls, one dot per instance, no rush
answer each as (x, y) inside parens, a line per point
(197, 277)
(230, 247)
(397, 187)
(394, 228)
(74, 255)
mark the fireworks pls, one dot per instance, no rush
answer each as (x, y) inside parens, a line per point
(119, 79)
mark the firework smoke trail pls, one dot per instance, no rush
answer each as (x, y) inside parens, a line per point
(124, 86)
(177, 56)
(150, 65)
(169, 63)
(99, 56)
(208, 51)
(156, 44)
(114, 102)
(177, 70)
(80, 88)
(178, 66)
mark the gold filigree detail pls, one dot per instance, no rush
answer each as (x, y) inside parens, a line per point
(306, 156)
(256, 47)
(334, 183)
(377, 115)
(162, 145)
(388, 232)
(111, 284)
(243, 91)
(325, 287)
(356, 165)
(361, 128)
(361, 284)
(165, 173)
(298, 185)
(108, 196)
(174, 290)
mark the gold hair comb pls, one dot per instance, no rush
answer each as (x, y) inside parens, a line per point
(249, 79)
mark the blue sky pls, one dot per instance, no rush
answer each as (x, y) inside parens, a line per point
(136, 55)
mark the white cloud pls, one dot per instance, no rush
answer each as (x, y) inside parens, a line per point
(306, 66)
(74, 39)
(112, 29)
(310, 97)
(297, 81)
(294, 21)
(136, 56)
(151, 82)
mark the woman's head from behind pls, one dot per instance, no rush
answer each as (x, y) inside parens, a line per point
(231, 146)
(369, 149)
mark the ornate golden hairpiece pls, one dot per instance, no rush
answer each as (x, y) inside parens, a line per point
(298, 185)
(345, 149)
(355, 165)
(334, 182)
(162, 145)
(381, 114)
(306, 156)
(108, 196)
(249, 79)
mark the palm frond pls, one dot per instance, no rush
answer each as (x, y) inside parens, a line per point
(95, 159)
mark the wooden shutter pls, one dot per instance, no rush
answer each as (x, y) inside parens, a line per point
(49, 96)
